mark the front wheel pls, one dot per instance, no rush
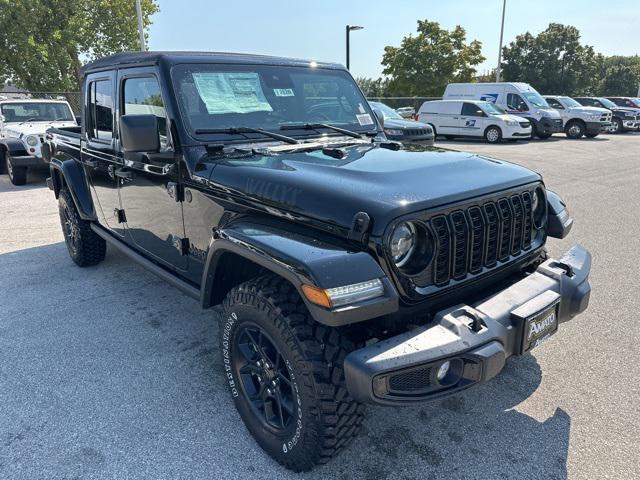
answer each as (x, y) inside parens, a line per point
(285, 374)
(17, 175)
(493, 134)
(616, 126)
(85, 247)
(575, 130)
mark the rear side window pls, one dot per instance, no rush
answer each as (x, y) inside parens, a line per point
(101, 110)
(472, 110)
(142, 97)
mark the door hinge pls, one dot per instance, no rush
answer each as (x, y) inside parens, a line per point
(182, 245)
(119, 214)
(176, 191)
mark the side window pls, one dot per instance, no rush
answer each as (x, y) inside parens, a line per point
(142, 96)
(553, 103)
(101, 110)
(596, 103)
(471, 110)
(515, 102)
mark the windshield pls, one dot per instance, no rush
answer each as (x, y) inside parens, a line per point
(386, 110)
(535, 99)
(36, 112)
(606, 102)
(636, 102)
(570, 102)
(218, 97)
(491, 108)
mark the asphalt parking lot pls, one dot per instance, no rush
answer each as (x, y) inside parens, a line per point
(108, 372)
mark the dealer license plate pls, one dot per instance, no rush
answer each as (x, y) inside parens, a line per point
(540, 327)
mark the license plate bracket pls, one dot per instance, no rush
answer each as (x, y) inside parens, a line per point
(536, 320)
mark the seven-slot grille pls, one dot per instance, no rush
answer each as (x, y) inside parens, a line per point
(470, 238)
(412, 132)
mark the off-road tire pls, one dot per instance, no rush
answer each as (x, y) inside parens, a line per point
(326, 417)
(85, 247)
(493, 134)
(544, 136)
(17, 175)
(575, 129)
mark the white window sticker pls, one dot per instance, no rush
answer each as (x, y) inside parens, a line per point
(283, 92)
(231, 92)
(364, 119)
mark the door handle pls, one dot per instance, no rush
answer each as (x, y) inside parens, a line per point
(124, 174)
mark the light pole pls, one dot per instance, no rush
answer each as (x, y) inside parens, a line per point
(498, 70)
(348, 30)
(143, 47)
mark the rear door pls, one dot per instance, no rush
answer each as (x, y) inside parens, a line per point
(98, 148)
(149, 182)
(472, 120)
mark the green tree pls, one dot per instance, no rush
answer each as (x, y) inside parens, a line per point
(620, 76)
(44, 42)
(424, 64)
(373, 88)
(554, 61)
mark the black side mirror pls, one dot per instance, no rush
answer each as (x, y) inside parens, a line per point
(139, 133)
(78, 119)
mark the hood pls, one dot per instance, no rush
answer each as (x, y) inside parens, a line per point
(507, 117)
(402, 123)
(34, 128)
(383, 183)
(588, 110)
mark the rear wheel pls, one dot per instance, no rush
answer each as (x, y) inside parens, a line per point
(493, 134)
(85, 247)
(285, 374)
(17, 175)
(575, 129)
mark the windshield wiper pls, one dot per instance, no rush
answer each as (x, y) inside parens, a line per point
(315, 126)
(242, 130)
(29, 120)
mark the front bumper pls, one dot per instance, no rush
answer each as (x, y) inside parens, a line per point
(597, 127)
(28, 161)
(476, 340)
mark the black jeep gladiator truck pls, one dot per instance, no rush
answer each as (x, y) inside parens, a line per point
(350, 270)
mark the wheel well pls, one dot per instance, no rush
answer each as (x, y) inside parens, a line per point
(433, 127)
(575, 120)
(58, 181)
(231, 270)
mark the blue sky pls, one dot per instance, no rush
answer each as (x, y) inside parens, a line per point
(315, 29)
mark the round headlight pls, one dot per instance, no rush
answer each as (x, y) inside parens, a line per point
(402, 243)
(539, 207)
(31, 141)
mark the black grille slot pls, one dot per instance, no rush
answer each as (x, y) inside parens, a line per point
(528, 219)
(460, 245)
(477, 226)
(504, 209)
(411, 381)
(493, 232)
(518, 224)
(443, 253)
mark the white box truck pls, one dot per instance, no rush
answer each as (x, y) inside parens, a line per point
(516, 98)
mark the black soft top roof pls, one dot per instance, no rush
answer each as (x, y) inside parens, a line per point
(153, 58)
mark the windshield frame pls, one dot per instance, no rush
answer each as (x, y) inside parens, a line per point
(66, 105)
(181, 68)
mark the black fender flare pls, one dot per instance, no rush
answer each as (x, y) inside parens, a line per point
(301, 259)
(68, 171)
(14, 147)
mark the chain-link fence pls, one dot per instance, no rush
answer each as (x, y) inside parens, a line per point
(397, 102)
(74, 98)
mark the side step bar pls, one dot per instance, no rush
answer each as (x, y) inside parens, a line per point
(147, 264)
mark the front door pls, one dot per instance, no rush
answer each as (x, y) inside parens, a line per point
(148, 183)
(471, 120)
(98, 153)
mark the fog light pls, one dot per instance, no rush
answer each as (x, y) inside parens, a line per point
(443, 370)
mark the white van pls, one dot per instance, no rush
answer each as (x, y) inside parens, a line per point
(473, 118)
(518, 98)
